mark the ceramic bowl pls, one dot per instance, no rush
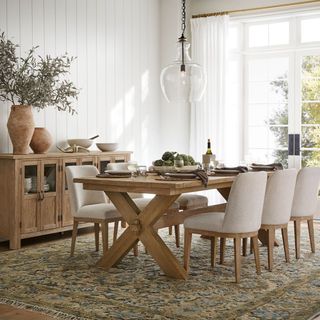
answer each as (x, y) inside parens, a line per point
(107, 146)
(84, 143)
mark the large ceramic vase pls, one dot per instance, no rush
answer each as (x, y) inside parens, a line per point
(41, 140)
(20, 126)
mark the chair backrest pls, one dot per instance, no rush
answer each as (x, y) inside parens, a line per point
(121, 166)
(306, 192)
(245, 203)
(78, 196)
(279, 196)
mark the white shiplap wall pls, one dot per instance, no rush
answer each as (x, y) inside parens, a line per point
(116, 43)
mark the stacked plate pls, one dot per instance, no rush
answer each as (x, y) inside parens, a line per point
(27, 185)
(33, 184)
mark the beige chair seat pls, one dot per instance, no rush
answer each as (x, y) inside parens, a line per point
(192, 201)
(98, 211)
(210, 221)
(143, 202)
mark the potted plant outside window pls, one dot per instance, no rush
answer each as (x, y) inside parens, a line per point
(32, 81)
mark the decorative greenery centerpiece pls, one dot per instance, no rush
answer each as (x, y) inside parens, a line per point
(172, 161)
(34, 80)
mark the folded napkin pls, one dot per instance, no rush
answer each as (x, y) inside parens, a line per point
(240, 169)
(271, 166)
(196, 174)
(108, 175)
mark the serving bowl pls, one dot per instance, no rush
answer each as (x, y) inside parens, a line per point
(84, 143)
(107, 146)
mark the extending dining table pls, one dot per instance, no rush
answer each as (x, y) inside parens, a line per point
(141, 222)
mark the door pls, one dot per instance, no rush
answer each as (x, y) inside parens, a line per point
(268, 111)
(50, 211)
(307, 113)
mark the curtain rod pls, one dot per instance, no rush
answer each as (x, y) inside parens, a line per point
(205, 15)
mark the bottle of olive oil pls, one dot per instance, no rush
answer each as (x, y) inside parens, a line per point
(209, 151)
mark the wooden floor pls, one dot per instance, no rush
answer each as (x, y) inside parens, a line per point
(11, 313)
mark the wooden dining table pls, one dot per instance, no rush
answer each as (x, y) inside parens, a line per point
(141, 222)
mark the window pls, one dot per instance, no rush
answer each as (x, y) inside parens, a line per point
(281, 89)
(268, 34)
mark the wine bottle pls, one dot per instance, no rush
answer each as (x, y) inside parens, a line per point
(209, 147)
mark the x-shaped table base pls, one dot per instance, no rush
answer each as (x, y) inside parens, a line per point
(141, 229)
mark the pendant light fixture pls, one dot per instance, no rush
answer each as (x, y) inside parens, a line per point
(183, 80)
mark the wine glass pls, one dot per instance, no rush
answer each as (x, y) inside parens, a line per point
(132, 167)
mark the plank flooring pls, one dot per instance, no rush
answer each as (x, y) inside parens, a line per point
(12, 313)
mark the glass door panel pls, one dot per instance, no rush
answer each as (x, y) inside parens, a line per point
(267, 110)
(49, 177)
(30, 179)
(102, 165)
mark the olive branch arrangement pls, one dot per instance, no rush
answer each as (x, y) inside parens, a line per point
(34, 80)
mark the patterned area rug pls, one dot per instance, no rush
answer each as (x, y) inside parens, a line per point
(46, 279)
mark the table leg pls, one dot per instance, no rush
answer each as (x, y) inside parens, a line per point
(141, 228)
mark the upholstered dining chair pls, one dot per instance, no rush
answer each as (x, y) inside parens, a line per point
(305, 203)
(241, 219)
(90, 206)
(142, 202)
(277, 209)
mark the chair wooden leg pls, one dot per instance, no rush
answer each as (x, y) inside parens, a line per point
(251, 246)
(284, 232)
(297, 232)
(123, 224)
(170, 230)
(222, 249)
(115, 230)
(74, 236)
(237, 258)
(187, 248)
(311, 235)
(244, 246)
(104, 231)
(135, 250)
(96, 235)
(213, 251)
(255, 247)
(271, 238)
(177, 234)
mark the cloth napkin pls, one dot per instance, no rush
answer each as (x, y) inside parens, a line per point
(202, 175)
(196, 174)
(240, 169)
(272, 166)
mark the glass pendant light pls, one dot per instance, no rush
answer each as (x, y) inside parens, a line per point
(183, 80)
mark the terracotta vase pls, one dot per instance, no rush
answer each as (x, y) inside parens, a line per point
(41, 140)
(20, 127)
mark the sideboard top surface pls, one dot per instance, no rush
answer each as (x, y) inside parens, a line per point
(10, 156)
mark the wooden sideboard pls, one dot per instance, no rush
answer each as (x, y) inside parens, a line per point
(34, 197)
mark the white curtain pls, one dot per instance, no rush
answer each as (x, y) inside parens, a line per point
(208, 117)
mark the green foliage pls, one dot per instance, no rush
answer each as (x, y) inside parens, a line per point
(169, 156)
(34, 80)
(158, 163)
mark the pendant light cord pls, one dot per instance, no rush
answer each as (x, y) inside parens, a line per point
(182, 39)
